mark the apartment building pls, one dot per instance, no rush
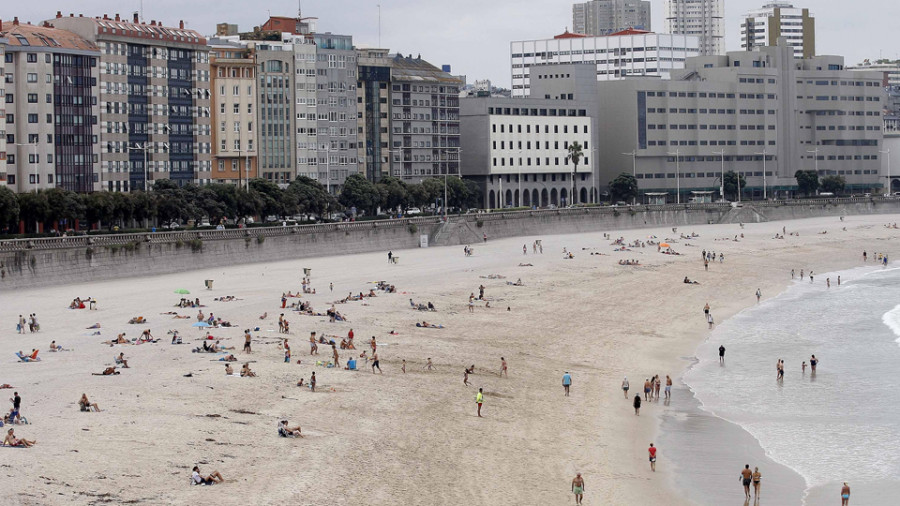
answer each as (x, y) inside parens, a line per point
(277, 140)
(700, 18)
(3, 42)
(762, 27)
(154, 101)
(425, 130)
(234, 107)
(51, 113)
(517, 150)
(603, 17)
(373, 103)
(336, 131)
(763, 114)
(627, 54)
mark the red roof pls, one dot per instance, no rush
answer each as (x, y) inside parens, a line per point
(629, 31)
(570, 35)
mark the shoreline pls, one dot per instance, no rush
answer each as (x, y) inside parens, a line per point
(382, 435)
(691, 426)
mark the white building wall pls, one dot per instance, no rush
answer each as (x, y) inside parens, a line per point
(618, 57)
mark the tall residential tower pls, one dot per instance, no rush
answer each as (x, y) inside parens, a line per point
(603, 17)
(702, 18)
(762, 27)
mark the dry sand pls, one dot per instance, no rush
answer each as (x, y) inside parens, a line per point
(394, 438)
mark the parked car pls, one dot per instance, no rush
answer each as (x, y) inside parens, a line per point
(412, 211)
(171, 226)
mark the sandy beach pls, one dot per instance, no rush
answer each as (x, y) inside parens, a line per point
(395, 438)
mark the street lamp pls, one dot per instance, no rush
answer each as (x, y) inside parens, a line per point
(888, 153)
(633, 155)
(34, 163)
(764, 154)
(519, 179)
(677, 154)
(144, 148)
(722, 154)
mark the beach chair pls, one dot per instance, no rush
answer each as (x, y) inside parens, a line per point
(26, 358)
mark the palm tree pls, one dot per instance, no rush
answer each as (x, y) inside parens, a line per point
(575, 154)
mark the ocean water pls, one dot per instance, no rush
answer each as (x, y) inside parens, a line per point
(841, 423)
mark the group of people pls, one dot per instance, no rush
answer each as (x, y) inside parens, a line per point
(31, 323)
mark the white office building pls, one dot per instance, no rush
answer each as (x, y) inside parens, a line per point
(762, 27)
(630, 53)
(699, 18)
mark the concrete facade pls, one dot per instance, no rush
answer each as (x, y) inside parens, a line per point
(701, 18)
(234, 107)
(517, 150)
(603, 17)
(628, 54)
(762, 27)
(276, 111)
(51, 130)
(336, 134)
(154, 101)
(3, 83)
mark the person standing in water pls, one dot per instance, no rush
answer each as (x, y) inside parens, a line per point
(813, 361)
(757, 476)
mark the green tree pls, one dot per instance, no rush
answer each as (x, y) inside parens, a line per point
(311, 196)
(34, 207)
(731, 184)
(9, 208)
(576, 153)
(623, 187)
(144, 206)
(833, 184)
(395, 193)
(123, 209)
(99, 207)
(360, 193)
(64, 206)
(270, 196)
(807, 181)
(476, 196)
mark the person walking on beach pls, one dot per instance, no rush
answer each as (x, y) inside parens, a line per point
(479, 400)
(792, 273)
(656, 386)
(625, 386)
(313, 347)
(312, 382)
(709, 320)
(637, 405)
(524, 249)
(247, 341)
(810, 277)
(780, 370)
(375, 363)
(757, 476)
(828, 282)
(668, 387)
(428, 365)
(706, 309)
(746, 479)
(465, 376)
(336, 357)
(648, 387)
(845, 494)
(839, 281)
(21, 325)
(503, 368)
(578, 488)
(390, 256)
(758, 295)
(722, 354)
(567, 382)
(812, 363)
(864, 257)
(652, 452)
(331, 287)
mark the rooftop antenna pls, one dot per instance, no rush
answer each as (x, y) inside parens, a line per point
(142, 11)
(379, 25)
(299, 9)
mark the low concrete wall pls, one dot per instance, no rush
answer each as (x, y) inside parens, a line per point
(37, 262)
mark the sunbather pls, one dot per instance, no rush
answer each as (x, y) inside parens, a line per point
(212, 479)
(109, 371)
(120, 360)
(246, 372)
(87, 405)
(12, 440)
(285, 431)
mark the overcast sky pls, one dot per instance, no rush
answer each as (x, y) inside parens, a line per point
(474, 35)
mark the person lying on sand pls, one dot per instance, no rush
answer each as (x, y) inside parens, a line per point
(212, 479)
(264, 315)
(87, 405)
(12, 440)
(228, 358)
(137, 319)
(427, 325)
(119, 340)
(689, 282)
(109, 371)
(94, 326)
(179, 317)
(526, 265)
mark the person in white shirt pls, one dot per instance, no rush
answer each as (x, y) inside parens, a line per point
(212, 479)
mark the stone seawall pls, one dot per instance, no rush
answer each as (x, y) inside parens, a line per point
(38, 262)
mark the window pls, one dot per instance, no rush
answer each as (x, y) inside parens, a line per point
(32, 98)
(237, 144)
(237, 108)
(32, 57)
(32, 78)
(32, 118)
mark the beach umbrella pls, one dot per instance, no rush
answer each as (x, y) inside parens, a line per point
(200, 324)
(664, 245)
(182, 291)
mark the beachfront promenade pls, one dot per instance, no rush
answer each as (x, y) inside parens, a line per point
(41, 261)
